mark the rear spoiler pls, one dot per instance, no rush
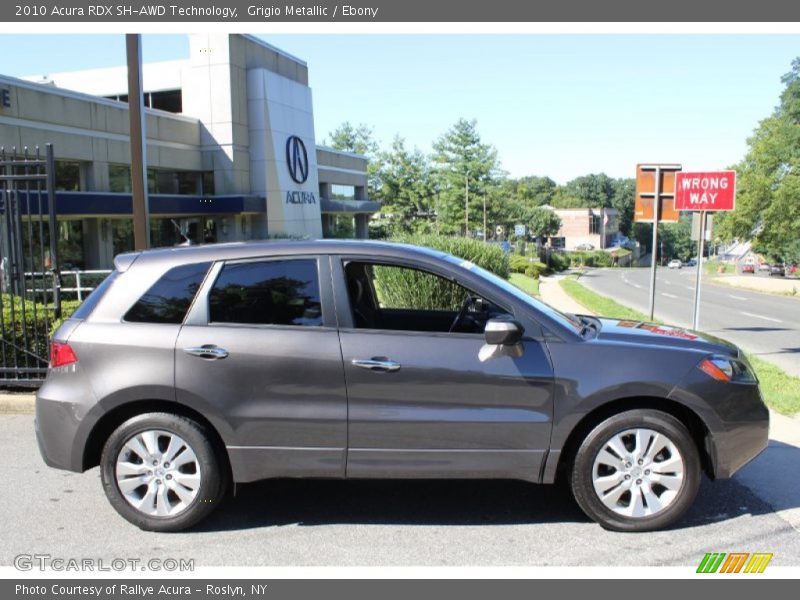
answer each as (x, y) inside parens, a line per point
(122, 262)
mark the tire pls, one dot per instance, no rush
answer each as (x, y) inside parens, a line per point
(171, 496)
(636, 496)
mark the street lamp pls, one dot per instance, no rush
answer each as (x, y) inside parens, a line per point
(466, 204)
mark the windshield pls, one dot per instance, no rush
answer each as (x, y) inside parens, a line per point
(567, 320)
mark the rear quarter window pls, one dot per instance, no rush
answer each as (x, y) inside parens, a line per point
(170, 297)
(88, 305)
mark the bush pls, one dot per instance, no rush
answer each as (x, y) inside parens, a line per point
(536, 269)
(488, 256)
(417, 290)
(27, 332)
(558, 261)
(519, 263)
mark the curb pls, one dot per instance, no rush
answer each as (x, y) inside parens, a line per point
(15, 404)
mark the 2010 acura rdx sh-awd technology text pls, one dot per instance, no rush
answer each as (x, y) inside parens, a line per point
(189, 368)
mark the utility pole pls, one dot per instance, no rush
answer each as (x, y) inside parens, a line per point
(138, 145)
(484, 216)
(466, 204)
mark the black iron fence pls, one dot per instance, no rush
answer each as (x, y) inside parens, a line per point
(30, 299)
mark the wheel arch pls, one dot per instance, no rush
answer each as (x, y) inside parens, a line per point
(698, 429)
(115, 417)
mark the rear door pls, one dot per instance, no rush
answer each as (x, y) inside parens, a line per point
(421, 402)
(260, 347)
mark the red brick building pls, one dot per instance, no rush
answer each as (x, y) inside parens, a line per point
(585, 226)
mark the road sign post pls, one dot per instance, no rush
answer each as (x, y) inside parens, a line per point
(655, 193)
(699, 274)
(704, 191)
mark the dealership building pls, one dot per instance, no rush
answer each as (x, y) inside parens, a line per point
(231, 151)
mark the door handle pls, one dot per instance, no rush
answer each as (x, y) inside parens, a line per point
(375, 364)
(209, 351)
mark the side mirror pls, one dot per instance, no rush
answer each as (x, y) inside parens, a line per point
(503, 332)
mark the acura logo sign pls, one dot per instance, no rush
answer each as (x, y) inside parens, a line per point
(297, 159)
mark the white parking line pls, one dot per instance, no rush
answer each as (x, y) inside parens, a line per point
(668, 295)
(637, 286)
(738, 297)
(761, 317)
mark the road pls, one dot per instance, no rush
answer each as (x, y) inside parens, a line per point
(765, 325)
(387, 523)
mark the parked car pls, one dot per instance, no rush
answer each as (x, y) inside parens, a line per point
(191, 368)
(777, 269)
(692, 262)
(748, 268)
(764, 267)
(584, 247)
(675, 264)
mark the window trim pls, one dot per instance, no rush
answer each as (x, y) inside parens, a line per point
(200, 312)
(345, 311)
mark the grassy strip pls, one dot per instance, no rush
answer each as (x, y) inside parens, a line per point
(780, 390)
(599, 305)
(525, 283)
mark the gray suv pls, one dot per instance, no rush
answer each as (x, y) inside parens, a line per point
(192, 368)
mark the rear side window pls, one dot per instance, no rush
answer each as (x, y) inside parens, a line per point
(87, 306)
(170, 297)
(284, 292)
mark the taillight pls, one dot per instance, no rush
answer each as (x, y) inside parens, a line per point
(61, 355)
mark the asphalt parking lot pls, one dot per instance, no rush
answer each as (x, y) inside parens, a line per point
(387, 523)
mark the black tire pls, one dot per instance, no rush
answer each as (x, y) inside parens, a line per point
(581, 479)
(214, 478)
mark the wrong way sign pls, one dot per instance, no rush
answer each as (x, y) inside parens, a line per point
(712, 190)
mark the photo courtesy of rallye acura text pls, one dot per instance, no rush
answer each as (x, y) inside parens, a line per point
(191, 368)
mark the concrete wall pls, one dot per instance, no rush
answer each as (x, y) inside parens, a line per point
(94, 130)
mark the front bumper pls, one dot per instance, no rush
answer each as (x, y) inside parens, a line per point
(736, 418)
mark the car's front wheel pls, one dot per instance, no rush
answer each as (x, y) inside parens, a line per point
(636, 471)
(161, 472)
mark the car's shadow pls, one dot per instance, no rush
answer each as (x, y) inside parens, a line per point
(440, 503)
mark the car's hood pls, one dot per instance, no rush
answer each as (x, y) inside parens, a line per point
(637, 332)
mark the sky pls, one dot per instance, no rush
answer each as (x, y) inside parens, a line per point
(555, 105)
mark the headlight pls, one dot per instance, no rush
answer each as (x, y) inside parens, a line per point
(724, 368)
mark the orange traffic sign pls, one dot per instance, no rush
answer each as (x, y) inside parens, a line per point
(650, 177)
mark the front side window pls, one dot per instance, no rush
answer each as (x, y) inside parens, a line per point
(170, 297)
(392, 297)
(281, 292)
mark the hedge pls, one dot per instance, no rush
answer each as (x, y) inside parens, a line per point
(26, 335)
(406, 288)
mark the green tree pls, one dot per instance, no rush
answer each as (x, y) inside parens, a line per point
(359, 139)
(464, 166)
(542, 222)
(407, 187)
(587, 191)
(768, 187)
(622, 199)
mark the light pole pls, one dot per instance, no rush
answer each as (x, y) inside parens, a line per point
(466, 204)
(484, 216)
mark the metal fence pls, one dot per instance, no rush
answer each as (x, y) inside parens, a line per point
(30, 284)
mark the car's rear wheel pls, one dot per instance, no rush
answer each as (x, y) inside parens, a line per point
(636, 471)
(161, 472)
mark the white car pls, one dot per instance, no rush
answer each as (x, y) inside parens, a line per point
(675, 264)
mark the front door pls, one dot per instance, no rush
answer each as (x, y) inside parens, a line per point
(421, 402)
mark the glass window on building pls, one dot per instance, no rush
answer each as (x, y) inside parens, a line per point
(122, 235)
(595, 223)
(343, 192)
(119, 177)
(70, 244)
(207, 183)
(68, 176)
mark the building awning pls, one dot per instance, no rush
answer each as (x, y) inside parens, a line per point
(109, 204)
